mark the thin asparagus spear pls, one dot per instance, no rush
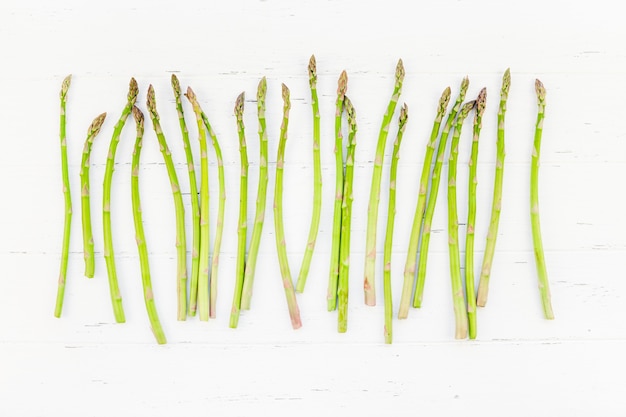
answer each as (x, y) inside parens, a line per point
(496, 205)
(243, 214)
(292, 302)
(481, 101)
(68, 201)
(195, 206)
(331, 296)
(544, 285)
(432, 197)
(181, 275)
(391, 214)
(92, 132)
(259, 216)
(346, 220)
(109, 254)
(317, 180)
(411, 257)
(148, 295)
(372, 210)
(458, 298)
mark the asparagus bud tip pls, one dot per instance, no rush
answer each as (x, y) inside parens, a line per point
(541, 91)
(95, 126)
(404, 115)
(443, 102)
(175, 85)
(312, 71)
(286, 96)
(481, 102)
(191, 96)
(138, 115)
(65, 85)
(239, 106)
(400, 71)
(506, 82)
(464, 86)
(343, 84)
(133, 90)
(467, 107)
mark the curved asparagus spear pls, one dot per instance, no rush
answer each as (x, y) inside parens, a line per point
(109, 254)
(292, 302)
(65, 86)
(261, 198)
(411, 257)
(544, 285)
(317, 180)
(458, 299)
(148, 295)
(181, 275)
(92, 132)
(432, 197)
(195, 206)
(372, 210)
(391, 214)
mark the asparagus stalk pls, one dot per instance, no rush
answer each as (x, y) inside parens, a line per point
(317, 180)
(391, 214)
(496, 205)
(109, 254)
(346, 220)
(331, 296)
(181, 275)
(481, 101)
(458, 298)
(259, 216)
(68, 201)
(195, 206)
(148, 295)
(372, 210)
(292, 302)
(544, 285)
(92, 132)
(243, 214)
(432, 197)
(411, 257)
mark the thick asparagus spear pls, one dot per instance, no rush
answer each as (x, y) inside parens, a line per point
(391, 214)
(544, 285)
(372, 210)
(181, 275)
(140, 237)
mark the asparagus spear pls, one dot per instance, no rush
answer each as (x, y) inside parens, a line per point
(181, 275)
(411, 257)
(243, 214)
(391, 210)
(68, 201)
(496, 205)
(92, 132)
(544, 285)
(346, 220)
(317, 180)
(109, 254)
(193, 190)
(260, 201)
(292, 302)
(458, 299)
(148, 295)
(372, 210)
(331, 296)
(432, 197)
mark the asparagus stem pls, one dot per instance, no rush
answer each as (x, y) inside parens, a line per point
(243, 214)
(411, 257)
(181, 276)
(292, 302)
(92, 132)
(391, 214)
(317, 180)
(346, 220)
(148, 295)
(68, 201)
(331, 296)
(259, 216)
(432, 197)
(458, 298)
(544, 285)
(109, 254)
(372, 210)
(496, 205)
(195, 206)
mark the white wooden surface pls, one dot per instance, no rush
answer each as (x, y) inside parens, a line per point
(85, 365)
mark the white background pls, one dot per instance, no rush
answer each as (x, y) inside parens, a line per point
(86, 365)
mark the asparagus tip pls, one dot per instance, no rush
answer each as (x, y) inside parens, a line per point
(138, 115)
(541, 91)
(176, 85)
(191, 96)
(467, 107)
(239, 106)
(400, 71)
(312, 71)
(286, 96)
(481, 102)
(343, 84)
(404, 115)
(464, 86)
(151, 102)
(133, 90)
(65, 85)
(350, 112)
(95, 126)
(506, 82)
(443, 102)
